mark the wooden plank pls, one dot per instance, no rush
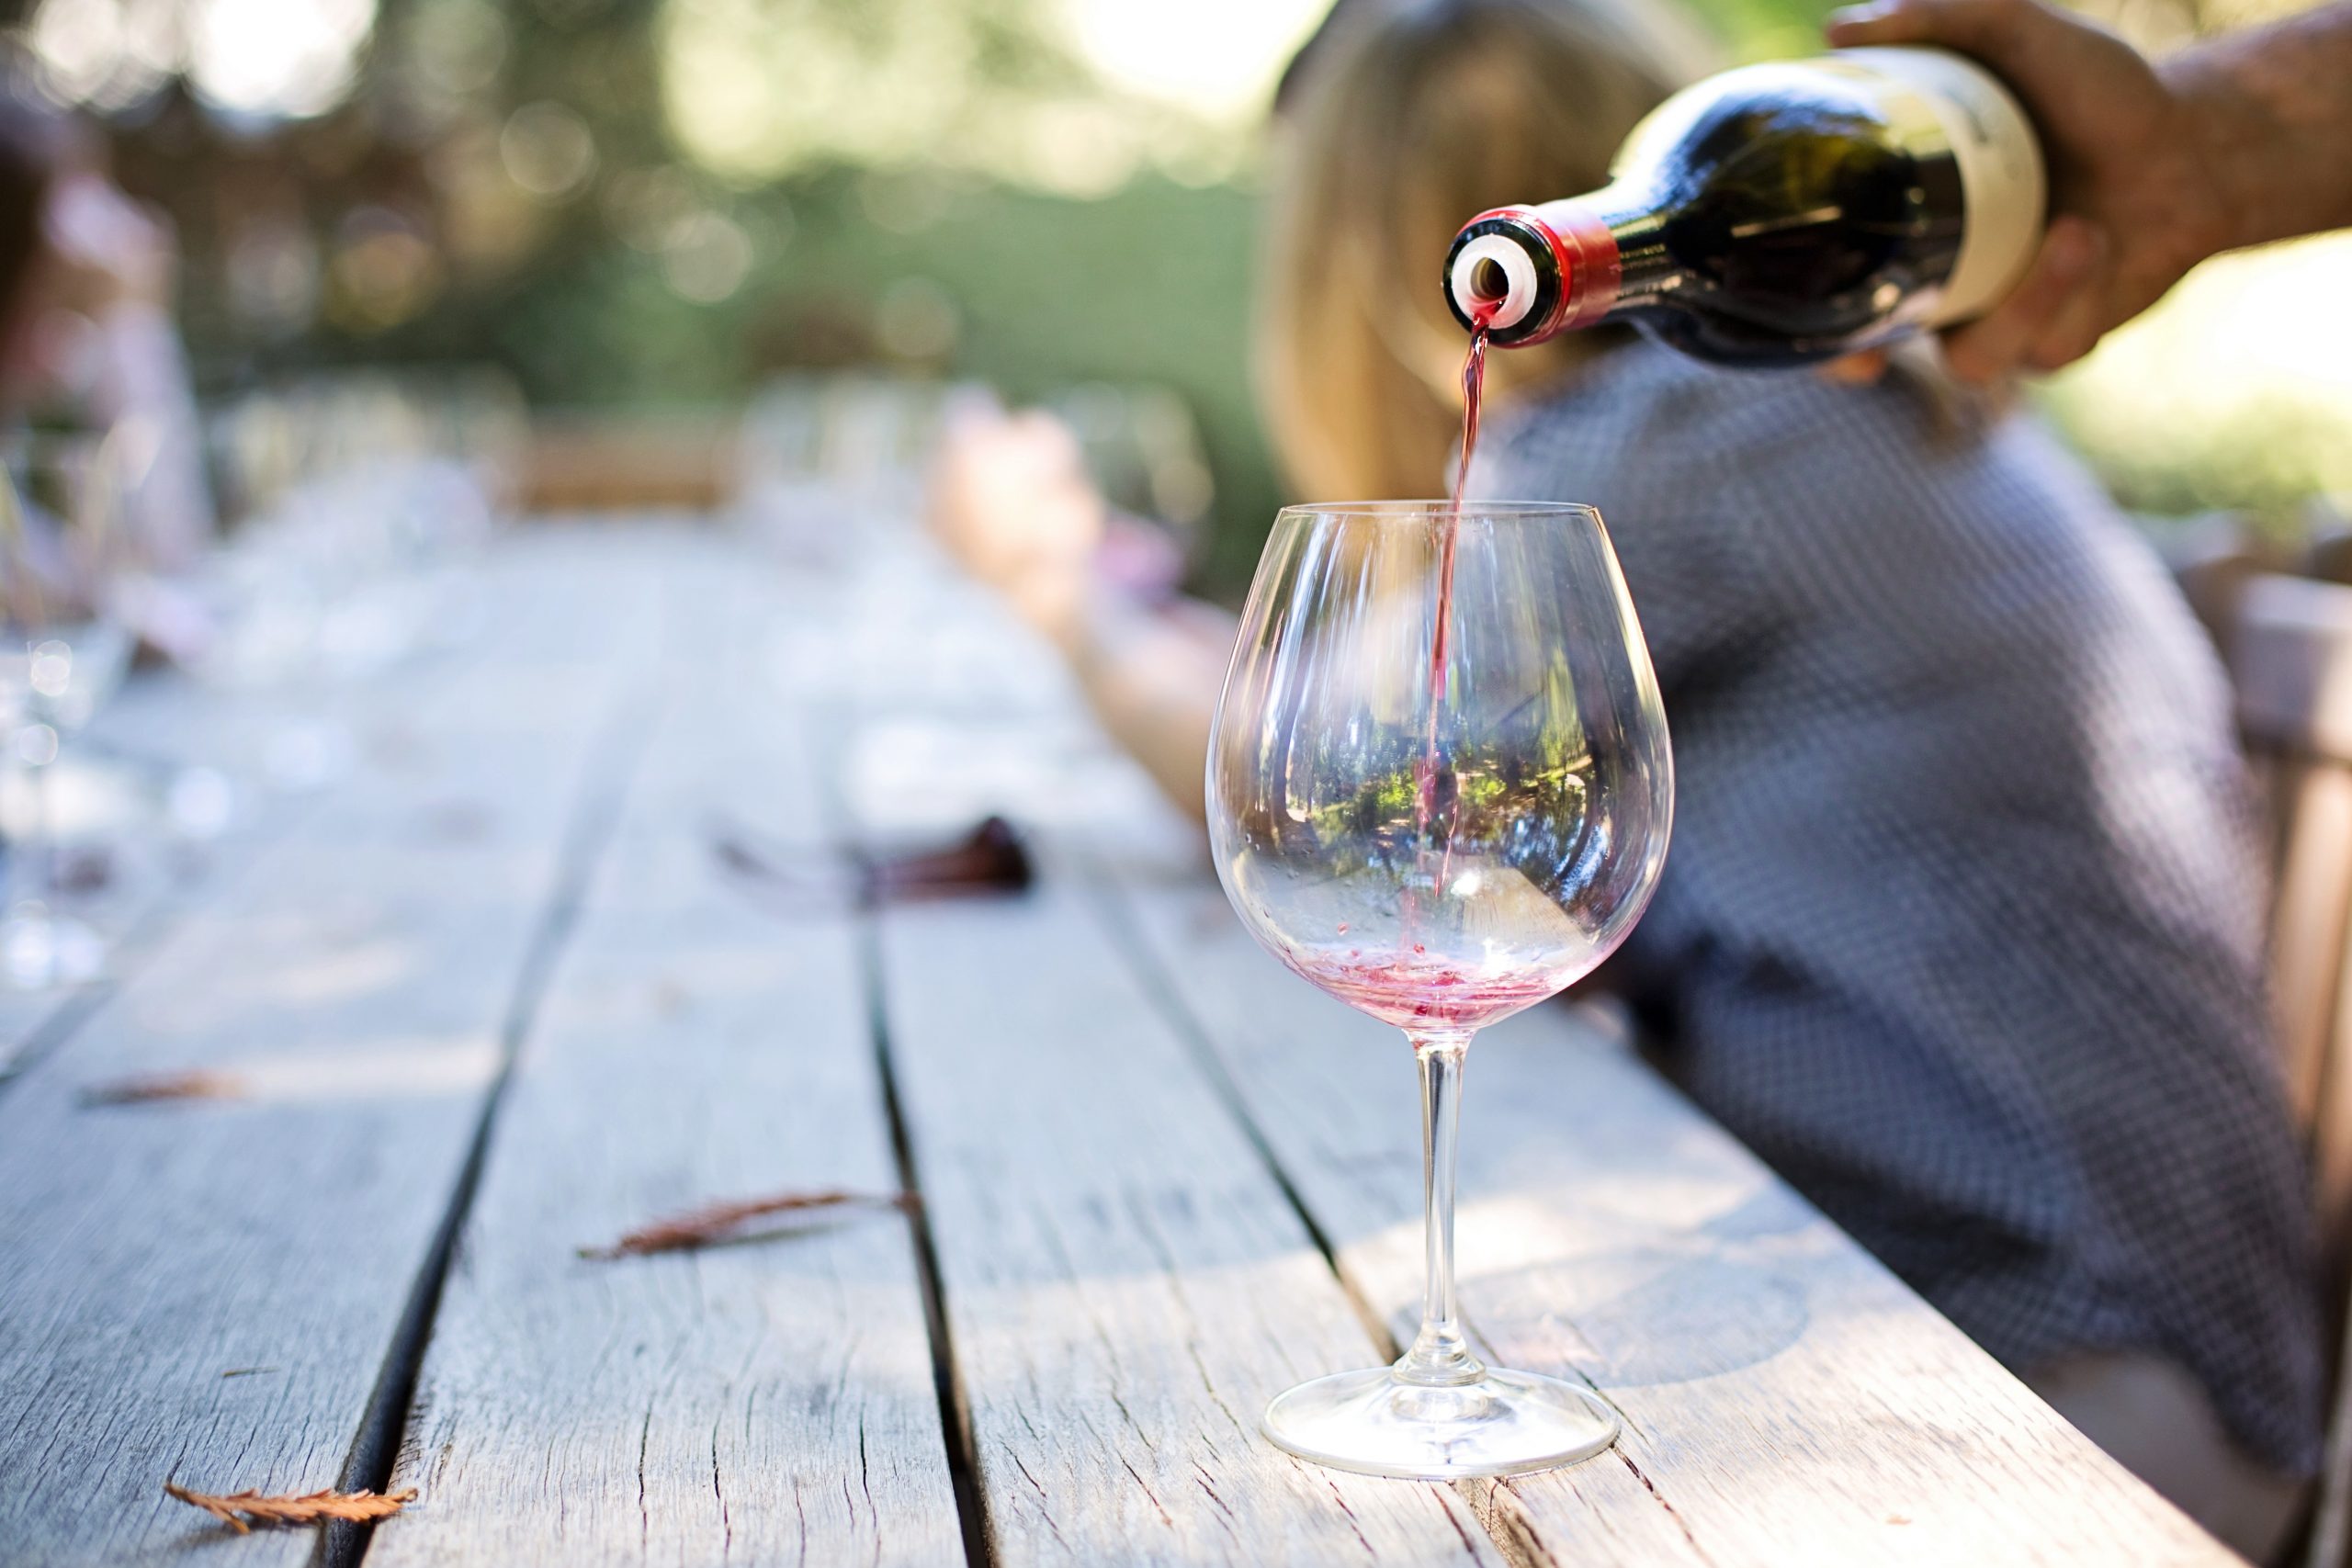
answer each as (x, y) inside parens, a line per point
(162, 722)
(763, 1403)
(1125, 1283)
(1778, 1386)
(208, 1290)
(157, 723)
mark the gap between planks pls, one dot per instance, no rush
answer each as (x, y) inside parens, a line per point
(955, 1409)
(947, 1385)
(375, 1449)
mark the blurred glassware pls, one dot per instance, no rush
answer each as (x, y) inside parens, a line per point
(62, 654)
(356, 483)
(1144, 451)
(825, 462)
(357, 503)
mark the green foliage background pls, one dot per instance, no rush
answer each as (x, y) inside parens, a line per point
(1149, 282)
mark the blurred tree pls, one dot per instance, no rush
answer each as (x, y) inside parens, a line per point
(667, 200)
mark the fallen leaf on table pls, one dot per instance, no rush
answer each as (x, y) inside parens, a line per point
(716, 1222)
(149, 1086)
(307, 1509)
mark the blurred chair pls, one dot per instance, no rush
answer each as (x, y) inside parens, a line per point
(2288, 640)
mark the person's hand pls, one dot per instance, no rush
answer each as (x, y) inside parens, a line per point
(2134, 198)
(1011, 499)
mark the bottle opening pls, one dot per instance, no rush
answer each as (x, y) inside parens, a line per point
(1492, 277)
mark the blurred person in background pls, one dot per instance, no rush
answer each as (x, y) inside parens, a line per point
(87, 346)
(1963, 926)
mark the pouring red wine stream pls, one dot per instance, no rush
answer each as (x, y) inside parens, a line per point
(1474, 386)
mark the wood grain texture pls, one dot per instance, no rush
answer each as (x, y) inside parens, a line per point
(770, 1401)
(1126, 1284)
(1785, 1398)
(206, 1291)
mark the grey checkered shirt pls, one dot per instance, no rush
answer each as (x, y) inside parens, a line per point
(1962, 927)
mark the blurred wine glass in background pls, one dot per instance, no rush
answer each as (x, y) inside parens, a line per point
(63, 549)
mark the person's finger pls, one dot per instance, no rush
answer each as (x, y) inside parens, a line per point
(2086, 316)
(1889, 21)
(1856, 369)
(1972, 27)
(1997, 345)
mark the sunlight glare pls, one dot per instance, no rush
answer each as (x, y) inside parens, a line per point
(1217, 58)
(2234, 392)
(276, 58)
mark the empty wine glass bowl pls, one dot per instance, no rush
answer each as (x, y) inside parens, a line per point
(1440, 814)
(57, 676)
(52, 677)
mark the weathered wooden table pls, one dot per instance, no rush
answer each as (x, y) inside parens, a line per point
(494, 996)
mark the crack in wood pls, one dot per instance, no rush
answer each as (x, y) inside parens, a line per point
(1340, 1497)
(725, 1523)
(1651, 1488)
(1469, 1547)
(1165, 1518)
(1045, 1504)
(644, 1516)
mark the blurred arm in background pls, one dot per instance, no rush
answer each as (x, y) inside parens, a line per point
(2154, 167)
(1010, 499)
(86, 278)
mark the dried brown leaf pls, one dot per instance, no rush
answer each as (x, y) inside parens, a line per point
(717, 1222)
(308, 1508)
(146, 1087)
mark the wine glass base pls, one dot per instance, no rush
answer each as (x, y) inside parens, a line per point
(38, 950)
(1507, 1423)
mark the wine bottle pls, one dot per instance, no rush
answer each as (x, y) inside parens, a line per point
(1778, 214)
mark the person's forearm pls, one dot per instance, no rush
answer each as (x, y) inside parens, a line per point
(1152, 683)
(2274, 106)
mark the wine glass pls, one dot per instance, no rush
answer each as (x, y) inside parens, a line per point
(62, 550)
(1440, 832)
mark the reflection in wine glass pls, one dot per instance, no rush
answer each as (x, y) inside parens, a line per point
(1440, 840)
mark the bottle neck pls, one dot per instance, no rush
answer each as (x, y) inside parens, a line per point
(1626, 220)
(1522, 274)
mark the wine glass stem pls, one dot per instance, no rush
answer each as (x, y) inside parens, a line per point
(43, 869)
(1438, 1357)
